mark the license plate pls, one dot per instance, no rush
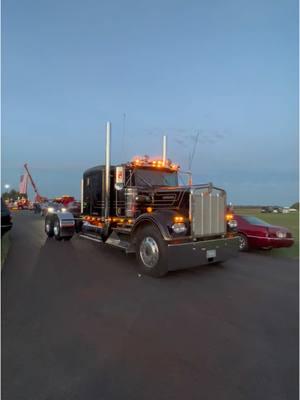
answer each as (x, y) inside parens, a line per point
(211, 253)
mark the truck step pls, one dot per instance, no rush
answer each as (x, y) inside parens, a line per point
(116, 241)
(125, 231)
(91, 237)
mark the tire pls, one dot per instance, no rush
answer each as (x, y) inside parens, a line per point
(78, 226)
(49, 227)
(56, 229)
(151, 252)
(243, 245)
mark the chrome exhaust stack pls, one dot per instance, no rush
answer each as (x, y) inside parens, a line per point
(107, 170)
(164, 157)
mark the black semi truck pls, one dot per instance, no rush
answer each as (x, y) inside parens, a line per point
(141, 208)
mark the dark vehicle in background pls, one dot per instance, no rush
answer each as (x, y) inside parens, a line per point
(6, 221)
(74, 208)
(267, 209)
(256, 233)
(37, 208)
(52, 206)
(272, 209)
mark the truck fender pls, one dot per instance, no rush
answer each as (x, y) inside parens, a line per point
(162, 219)
(66, 222)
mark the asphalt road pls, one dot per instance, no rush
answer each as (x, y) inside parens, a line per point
(78, 323)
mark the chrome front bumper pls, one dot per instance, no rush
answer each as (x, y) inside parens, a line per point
(192, 254)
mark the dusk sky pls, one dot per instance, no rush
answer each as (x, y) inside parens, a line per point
(226, 69)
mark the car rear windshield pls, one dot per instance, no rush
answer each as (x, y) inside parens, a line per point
(255, 221)
(149, 177)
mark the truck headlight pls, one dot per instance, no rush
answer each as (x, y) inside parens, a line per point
(50, 209)
(179, 227)
(232, 224)
(63, 209)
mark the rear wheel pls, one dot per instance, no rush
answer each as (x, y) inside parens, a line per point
(49, 227)
(243, 242)
(56, 230)
(151, 252)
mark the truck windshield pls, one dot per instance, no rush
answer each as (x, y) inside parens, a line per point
(150, 177)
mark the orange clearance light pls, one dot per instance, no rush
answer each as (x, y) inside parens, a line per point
(178, 219)
(149, 209)
(229, 217)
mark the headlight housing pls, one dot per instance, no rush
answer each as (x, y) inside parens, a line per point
(179, 227)
(50, 209)
(281, 235)
(63, 209)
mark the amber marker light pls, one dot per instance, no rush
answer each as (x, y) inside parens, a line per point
(178, 219)
(229, 217)
(149, 209)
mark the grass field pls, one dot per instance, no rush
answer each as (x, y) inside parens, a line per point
(290, 221)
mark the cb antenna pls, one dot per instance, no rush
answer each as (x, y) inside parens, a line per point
(191, 158)
(193, 152)
(123, 149)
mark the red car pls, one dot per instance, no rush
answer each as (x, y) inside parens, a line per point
(256, 233)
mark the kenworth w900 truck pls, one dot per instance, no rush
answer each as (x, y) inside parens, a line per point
(140, 207)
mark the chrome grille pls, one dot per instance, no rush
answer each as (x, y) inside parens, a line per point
(207, 211)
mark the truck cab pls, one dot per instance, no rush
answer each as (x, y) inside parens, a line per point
(140, 206)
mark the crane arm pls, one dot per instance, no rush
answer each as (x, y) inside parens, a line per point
(38, 197)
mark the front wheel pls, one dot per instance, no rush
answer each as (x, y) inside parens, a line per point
(151, 252)
(243, 242)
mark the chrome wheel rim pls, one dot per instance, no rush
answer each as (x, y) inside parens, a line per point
(48, 227)
(242, 242)
(149, 252)
(56, 229)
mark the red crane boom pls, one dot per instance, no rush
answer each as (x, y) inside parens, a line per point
(38, 197)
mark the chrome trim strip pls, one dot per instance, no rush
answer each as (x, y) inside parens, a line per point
(269, 238)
